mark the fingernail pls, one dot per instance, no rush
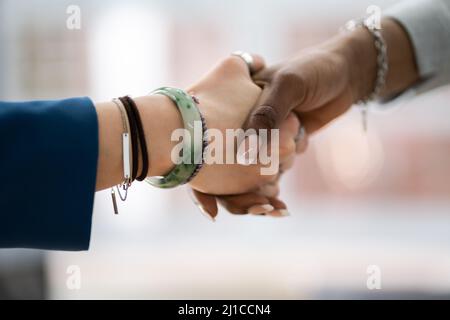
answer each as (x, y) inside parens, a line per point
(279, 213)
(200, 207)
(206, 213)
(260, 209)
(284, 212)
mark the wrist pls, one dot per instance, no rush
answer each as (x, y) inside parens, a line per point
(358, 49)
(359, 52)
(160, 118)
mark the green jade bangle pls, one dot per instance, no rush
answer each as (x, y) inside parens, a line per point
(192, 148)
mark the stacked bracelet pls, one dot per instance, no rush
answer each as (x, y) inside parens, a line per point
(193, 148)
(133, 141)
(137, 136)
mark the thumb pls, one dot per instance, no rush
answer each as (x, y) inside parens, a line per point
(282, 92)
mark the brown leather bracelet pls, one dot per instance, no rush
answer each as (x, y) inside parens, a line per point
(134, 138)
(131, 105)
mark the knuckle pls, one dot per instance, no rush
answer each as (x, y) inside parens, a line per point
(289, 78)
(231, 63)
(291, 83)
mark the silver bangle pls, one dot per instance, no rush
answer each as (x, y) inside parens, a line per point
(382, 61)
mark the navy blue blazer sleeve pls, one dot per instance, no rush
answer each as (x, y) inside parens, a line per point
(48, 166)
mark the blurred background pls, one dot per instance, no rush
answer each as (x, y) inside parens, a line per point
(355, 200)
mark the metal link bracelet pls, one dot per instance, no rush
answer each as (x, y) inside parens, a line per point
(382, 62)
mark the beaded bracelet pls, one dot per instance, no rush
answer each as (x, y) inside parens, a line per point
(192, 153)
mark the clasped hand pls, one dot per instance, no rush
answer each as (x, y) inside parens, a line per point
(298, 96)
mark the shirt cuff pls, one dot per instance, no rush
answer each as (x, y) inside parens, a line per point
(428, 24)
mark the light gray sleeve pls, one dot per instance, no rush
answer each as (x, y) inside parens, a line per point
(428, 25)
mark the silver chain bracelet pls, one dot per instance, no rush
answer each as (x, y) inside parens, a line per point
(382, 62)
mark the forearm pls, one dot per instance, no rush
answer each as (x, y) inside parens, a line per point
(159, 118)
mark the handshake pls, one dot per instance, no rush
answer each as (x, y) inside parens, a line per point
(288, 101)
(276, 107)
(111, 144)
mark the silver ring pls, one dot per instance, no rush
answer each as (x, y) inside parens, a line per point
(247, 57)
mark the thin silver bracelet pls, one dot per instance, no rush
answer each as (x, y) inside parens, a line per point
(127, 156)
(382, 62)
